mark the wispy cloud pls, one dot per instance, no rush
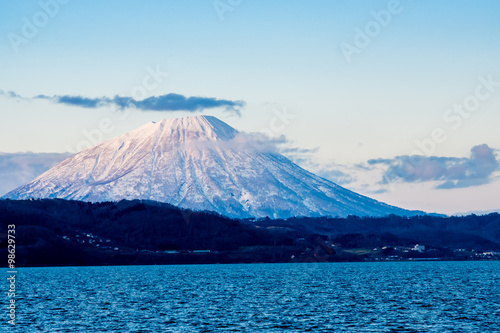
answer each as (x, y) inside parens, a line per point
(83, 102)
(378, 175)
(19, 168)
(163, 103)
(336, 175)
(454, 172)
(10, 94)
(254, 142)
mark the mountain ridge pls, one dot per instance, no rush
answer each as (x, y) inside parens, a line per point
(198, 163)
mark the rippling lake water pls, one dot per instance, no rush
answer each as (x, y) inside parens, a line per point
(325, 297)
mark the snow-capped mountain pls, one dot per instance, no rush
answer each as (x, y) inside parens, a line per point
(200, 163)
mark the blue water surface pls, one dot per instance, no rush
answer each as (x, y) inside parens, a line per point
(315, 297)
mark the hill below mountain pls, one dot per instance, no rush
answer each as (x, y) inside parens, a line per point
(59, 232)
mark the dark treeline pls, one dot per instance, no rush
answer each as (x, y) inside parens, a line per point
(55, 232)
(128, 225)
(481, 233)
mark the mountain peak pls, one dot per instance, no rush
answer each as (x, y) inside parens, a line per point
(188, 129)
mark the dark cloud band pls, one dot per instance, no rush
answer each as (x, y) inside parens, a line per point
(162, 103)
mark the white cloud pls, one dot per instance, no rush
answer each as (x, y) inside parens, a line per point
(20, 168)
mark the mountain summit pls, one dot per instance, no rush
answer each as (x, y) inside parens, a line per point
(188, 129)
(199, 163)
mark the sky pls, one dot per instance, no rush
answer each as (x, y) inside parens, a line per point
(357, 88)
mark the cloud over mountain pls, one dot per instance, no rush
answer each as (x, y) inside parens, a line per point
(162, 103)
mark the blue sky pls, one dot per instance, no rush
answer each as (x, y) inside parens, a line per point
(272, 56)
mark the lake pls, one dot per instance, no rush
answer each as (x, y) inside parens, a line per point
(315, 297)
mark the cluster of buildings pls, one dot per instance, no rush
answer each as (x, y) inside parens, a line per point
(82, 237)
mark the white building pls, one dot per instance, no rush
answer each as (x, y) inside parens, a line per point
(419, 248)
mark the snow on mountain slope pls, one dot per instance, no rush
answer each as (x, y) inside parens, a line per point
(199, 163)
